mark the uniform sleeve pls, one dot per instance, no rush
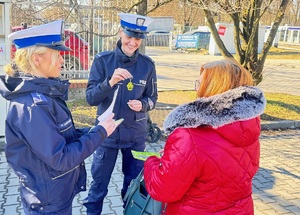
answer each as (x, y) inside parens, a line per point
(58, 148)
(168, 178)
(98, 87)
(82, 131)
(150, 95)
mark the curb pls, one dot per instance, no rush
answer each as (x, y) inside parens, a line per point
(2, 143)
(280, 125)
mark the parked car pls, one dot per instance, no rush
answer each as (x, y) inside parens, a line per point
(158, 38)
(76, 59)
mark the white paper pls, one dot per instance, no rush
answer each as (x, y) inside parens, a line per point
(110, 108)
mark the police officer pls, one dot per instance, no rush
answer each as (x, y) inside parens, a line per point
(131, 76)
(43, 147)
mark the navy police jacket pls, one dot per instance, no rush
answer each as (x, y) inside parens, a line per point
(42, 145)
(133, 129)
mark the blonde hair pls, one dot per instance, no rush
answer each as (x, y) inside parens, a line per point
(22, 61)
(223, 75)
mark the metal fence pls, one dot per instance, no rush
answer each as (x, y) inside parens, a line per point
(90, 27)
(290, 34)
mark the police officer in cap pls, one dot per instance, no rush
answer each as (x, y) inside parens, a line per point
(131, 77)
(43, 146)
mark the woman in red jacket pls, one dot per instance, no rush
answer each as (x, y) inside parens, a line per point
(212, 151)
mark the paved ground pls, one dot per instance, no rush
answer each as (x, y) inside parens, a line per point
(177, 70)
(276, 187)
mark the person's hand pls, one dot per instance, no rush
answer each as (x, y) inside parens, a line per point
(135, 105)
(119, 75)
(109, 124)
(161, 152)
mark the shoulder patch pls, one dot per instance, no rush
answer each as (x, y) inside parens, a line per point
(148, 58)
(101, 54)
(38, 98)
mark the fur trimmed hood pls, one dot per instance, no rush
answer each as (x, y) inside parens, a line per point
(237, 104)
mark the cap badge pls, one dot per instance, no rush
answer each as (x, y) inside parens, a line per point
(140, 21)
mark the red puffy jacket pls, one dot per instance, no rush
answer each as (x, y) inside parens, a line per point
(209, 169)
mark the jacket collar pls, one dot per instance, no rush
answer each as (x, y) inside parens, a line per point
(238, 104)
(123, 58)
(12, 87)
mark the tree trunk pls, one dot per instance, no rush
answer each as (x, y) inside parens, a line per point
(246, 19)
(142, 10)
(214, 32)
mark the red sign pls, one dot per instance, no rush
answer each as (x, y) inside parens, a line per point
(222, 30)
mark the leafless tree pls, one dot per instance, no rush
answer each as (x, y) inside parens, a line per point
(184, 13)
(295, 13)
(246, 16)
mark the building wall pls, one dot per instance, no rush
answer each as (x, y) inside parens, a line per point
(226, 32)
(77, 90)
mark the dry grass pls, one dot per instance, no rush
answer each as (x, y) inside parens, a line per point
(291, 53)
(279, 107)
(282, 107)
(83, 114)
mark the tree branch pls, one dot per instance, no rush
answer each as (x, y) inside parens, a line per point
(214, 33)
(273, 30)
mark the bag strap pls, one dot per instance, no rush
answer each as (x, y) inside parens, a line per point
(136, 183)
(141, 174)
(147, 202)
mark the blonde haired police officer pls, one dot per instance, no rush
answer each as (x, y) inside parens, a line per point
(133, 75)
(43, 146)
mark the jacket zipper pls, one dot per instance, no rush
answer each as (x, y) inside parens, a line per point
(65, 173)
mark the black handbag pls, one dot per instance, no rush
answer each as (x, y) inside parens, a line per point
(138, 201)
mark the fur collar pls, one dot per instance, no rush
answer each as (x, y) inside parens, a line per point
(238, 104)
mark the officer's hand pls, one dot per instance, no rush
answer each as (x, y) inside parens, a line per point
(119, 75)
(135, 105)
(109, 124)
